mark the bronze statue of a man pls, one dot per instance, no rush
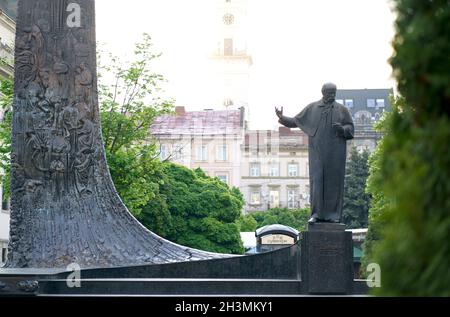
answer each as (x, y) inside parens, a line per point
(329, 125)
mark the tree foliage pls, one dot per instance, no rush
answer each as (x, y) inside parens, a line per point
(378, 204)
(296, 218)
(356, 200)
(414, 249)
(6, 100)
(195, 210)
(421, 61)
(247, 223)
(129, 103)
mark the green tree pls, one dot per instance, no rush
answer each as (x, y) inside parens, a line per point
(378, 203)
(414, 249)
(296, 218)
(6, 99)
(356, 200)
(247, 223)
(129, 103)
(195, 210)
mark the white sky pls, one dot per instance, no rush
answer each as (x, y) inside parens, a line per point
(296, 46)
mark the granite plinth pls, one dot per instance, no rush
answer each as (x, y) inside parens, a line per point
(326, 260)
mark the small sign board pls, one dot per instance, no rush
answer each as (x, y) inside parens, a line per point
(277, 239)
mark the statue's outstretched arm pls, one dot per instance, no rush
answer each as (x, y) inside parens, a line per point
(288, 122)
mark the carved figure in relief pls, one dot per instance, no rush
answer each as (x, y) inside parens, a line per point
(83, 83)
(83, 168)
(58, 167)
(50, 84)
(31, 190)
(39, 113)
(61, 71)
(37, 151)
(59, 105)
(46, 109)
(38, 45)
(30, 58)
(25, 64)
(70, 117)
(85, 129)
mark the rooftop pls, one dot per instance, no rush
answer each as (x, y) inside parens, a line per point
(366, 99)
(207, 122)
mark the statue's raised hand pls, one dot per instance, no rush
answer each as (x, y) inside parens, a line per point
(279, 112)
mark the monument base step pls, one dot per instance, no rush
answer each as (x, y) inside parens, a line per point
(168, 287)
(45, 286)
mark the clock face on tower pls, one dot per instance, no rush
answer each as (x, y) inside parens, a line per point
(228, 19)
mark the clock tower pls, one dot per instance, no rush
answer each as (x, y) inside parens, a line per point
(230, 61)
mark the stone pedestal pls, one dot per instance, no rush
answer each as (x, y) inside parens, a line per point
(326, 260)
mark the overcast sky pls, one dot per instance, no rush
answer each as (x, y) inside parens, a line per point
(296, 46)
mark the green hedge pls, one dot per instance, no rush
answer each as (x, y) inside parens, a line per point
(414, 245)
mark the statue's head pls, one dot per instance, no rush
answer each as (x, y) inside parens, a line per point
(329, 91)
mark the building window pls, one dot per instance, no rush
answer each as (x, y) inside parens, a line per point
(222, 153)
(370, 103)
(228, 47)
(341, 101)
(274, 198)
(381, 103)
(255, 170)
(255, 197)
(274, 170)
(223, 178)
(293, 198)
(349, 103)
(292, 170)
(201, 154)
(163, 152)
